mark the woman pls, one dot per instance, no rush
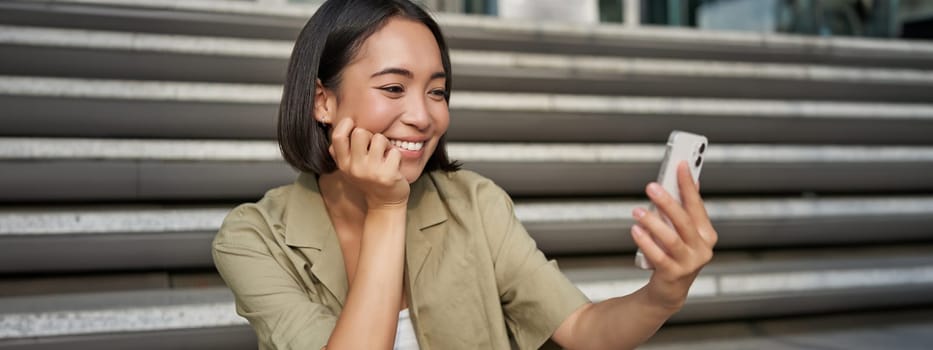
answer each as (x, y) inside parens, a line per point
(380, 223)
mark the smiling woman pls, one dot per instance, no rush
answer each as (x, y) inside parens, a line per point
(366, 45)
(383, 243)
(395, 86)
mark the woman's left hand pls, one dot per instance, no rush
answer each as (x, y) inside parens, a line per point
(680, 252)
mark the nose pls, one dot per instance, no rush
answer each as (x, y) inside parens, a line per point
(417, 113)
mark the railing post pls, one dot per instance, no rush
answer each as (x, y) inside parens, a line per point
(631, 13)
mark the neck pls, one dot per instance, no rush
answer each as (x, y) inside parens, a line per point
(344, 201)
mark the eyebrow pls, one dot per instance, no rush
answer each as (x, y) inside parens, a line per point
(406, 73)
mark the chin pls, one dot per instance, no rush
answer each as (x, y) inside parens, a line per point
(412, 175)
(413, 170)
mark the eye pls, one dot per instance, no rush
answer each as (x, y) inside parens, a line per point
(439, 93)
(393, 89)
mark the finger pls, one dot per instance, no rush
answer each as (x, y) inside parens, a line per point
(693, 202)
(378, 146)
(359, 143)
(674, 211)
(340, 142)
(655, 225)
(394, 159)
(654, 253)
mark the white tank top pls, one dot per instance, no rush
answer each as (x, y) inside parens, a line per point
(405, 333)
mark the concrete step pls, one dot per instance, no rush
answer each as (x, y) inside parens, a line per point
(748, 285)
(123, 55)
(36, 283)
(243, 19)
(114, 55)
(733, 286)
(282, 22)
(208, 338)
(41, 106)
(517, 72)
(133, 169)
(139, 237)
(907, 329)
(155, 319)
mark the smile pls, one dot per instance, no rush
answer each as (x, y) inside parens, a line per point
(408, 145)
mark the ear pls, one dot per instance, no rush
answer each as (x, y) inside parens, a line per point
(325, 103)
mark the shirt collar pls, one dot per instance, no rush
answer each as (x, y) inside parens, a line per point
(307, 224)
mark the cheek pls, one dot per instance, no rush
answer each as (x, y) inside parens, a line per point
(441, 116)
(373, 113)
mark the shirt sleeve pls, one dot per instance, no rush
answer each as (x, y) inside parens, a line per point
(276, 305)
(536, 297)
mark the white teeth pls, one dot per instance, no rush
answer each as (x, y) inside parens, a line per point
(407, 145)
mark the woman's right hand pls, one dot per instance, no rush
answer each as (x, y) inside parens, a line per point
(371, 163)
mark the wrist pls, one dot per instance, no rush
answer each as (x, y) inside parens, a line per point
(387, 206)
(385, 223)
(387, 215)
(665, 297)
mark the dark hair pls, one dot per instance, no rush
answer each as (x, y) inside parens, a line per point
(328, 42)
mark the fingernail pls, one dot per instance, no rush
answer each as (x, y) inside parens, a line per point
(638, 231)
(654, 189)
(638, 213)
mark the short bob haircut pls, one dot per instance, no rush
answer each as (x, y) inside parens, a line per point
(328, 42)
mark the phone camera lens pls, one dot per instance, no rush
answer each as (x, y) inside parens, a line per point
(699, 161)
(702, 148)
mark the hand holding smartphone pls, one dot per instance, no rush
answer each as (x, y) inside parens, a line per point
(681, 146)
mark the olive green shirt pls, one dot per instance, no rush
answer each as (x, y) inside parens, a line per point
(474, 277)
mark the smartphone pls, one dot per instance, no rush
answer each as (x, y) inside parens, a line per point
(680, 146)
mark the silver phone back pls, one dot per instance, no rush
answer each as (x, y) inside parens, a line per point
(681, 146)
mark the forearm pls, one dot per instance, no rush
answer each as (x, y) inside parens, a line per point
(621, 322)
(372, 304)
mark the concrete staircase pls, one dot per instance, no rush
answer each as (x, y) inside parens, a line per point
(129, 128)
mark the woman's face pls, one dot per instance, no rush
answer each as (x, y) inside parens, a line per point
(395, 86)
